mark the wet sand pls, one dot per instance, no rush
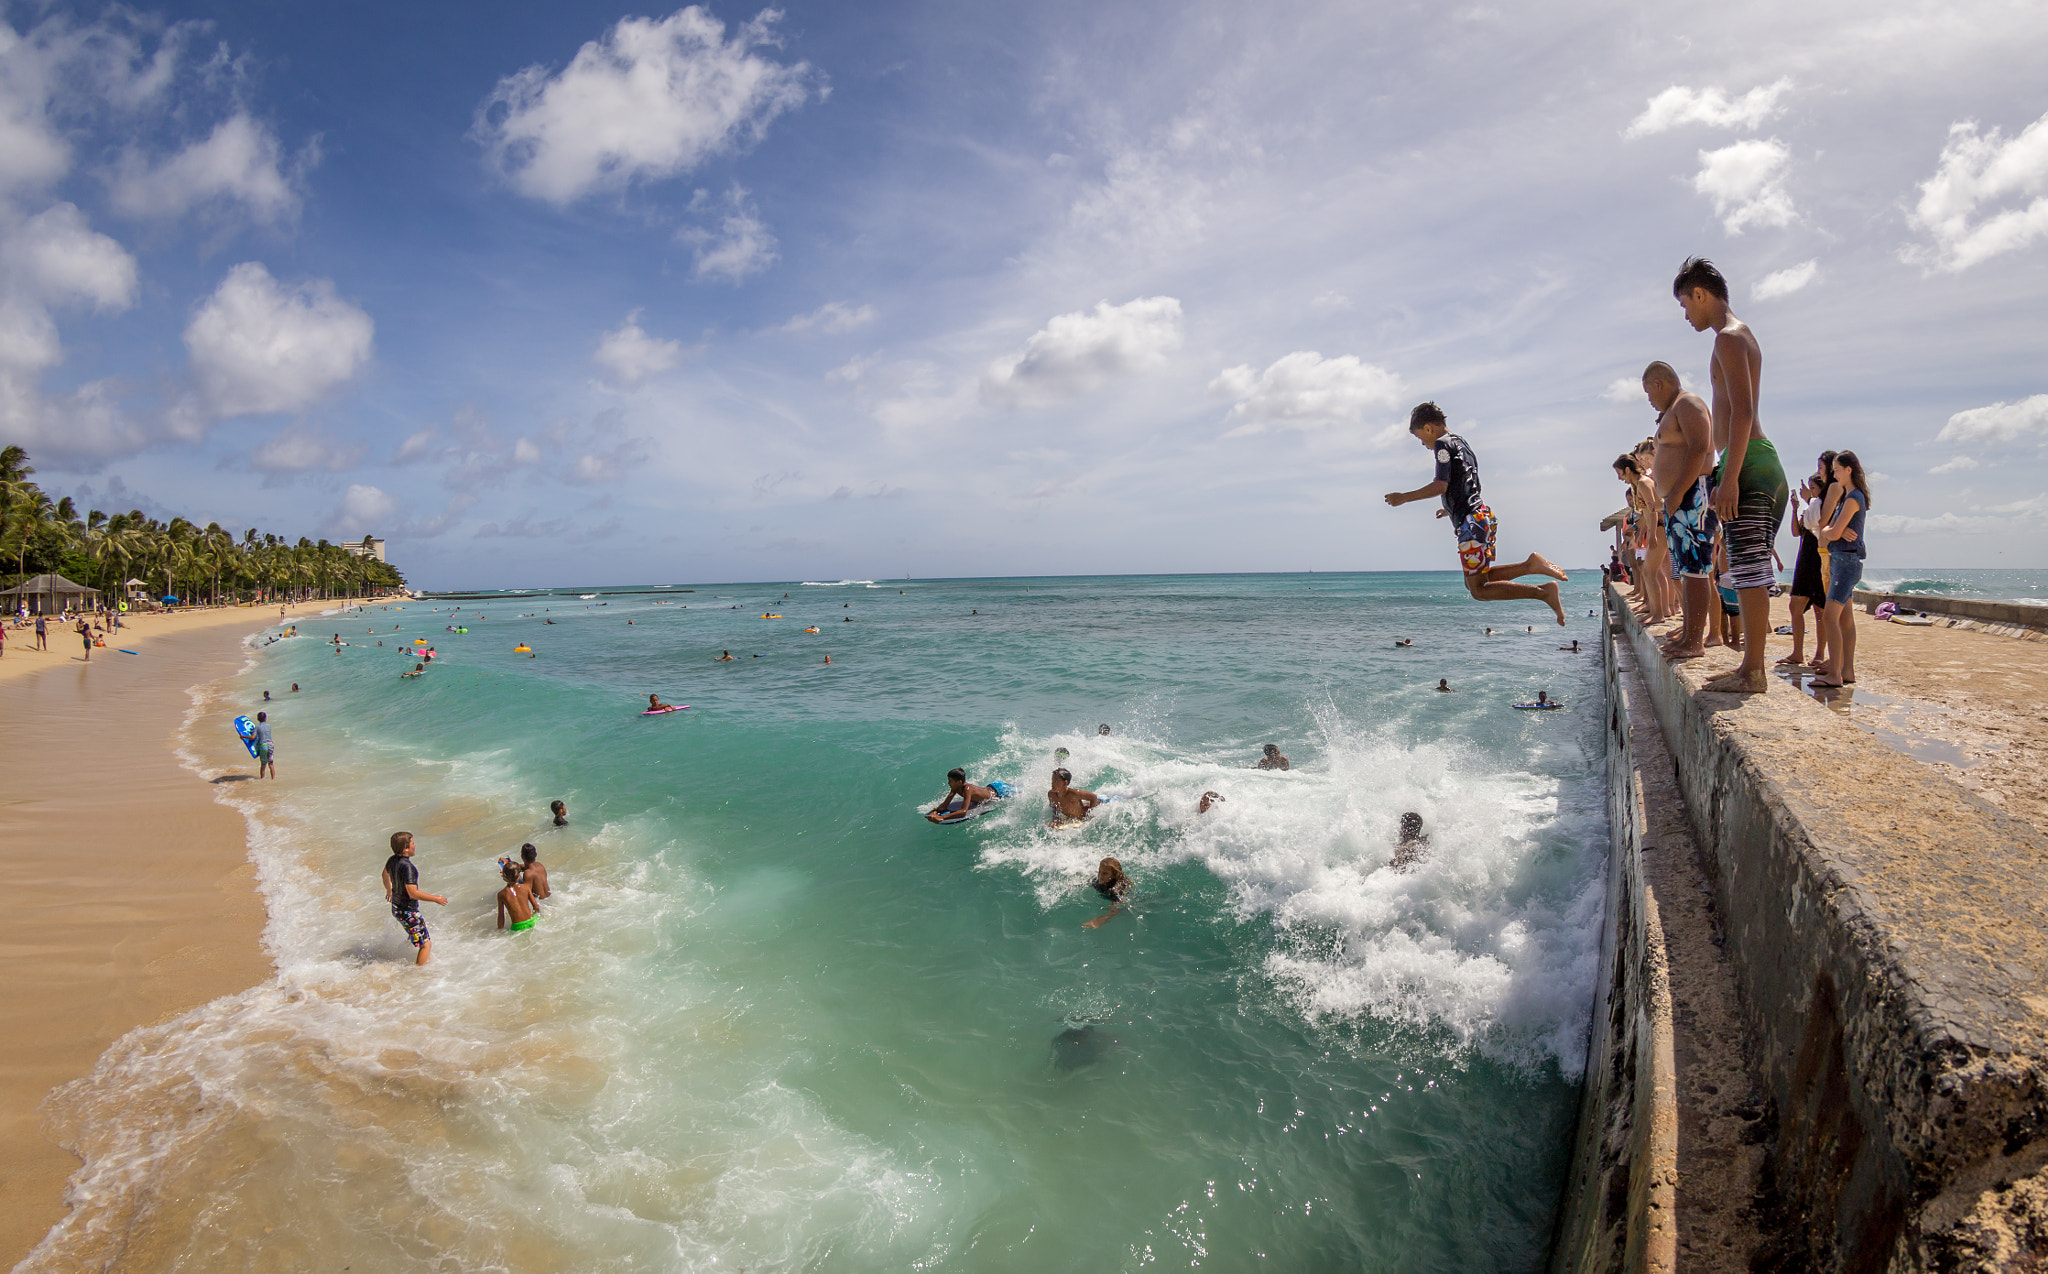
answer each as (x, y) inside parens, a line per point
(1968, 703)
(132, 898)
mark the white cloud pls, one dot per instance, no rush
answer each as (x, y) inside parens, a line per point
(363, 510)
(1710, 106)
(1083, 351)
(1786, 281)
(1957, 465)
(240, 162)
(32, 153)
(832, 319)
(739, 247)
(302, 451)
(652, 99)
(1304, 390)
(1624, 389)
(55, 256)
(1746, 181)
(257, 347)
(1996, 518)
(631, 355)
(1977, 170)
(2000, 422)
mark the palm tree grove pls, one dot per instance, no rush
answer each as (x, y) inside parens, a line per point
(176, 558)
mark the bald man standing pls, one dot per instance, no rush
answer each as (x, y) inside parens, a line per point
(1685, 452)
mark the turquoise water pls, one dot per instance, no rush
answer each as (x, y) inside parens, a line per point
(773, 1020)
(1989, 585)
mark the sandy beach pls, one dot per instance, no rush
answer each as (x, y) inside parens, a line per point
(144, 902)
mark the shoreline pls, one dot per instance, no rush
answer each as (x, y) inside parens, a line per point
(147, 904)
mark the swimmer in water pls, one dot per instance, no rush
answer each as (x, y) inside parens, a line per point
(1574, 648)
(654, 704)
(1101, 729)
(516, 898)
(1061, 755)
(724, 657)
(1444, 684)
(561, 813)
(1409, 849)
(961, 796)
(1272, 760)
(828, 659)
(1069, 803)
(1112, 884)
(417, 670)
(1208, 799)
(1409, 642)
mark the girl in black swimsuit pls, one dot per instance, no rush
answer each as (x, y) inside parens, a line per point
(1112, 884)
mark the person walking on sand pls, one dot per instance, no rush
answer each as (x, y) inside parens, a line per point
(1457, 481)
(84, 631)
(42, 635)
(266, 747)
(1749, 484)
(402, 891)
(515, 898)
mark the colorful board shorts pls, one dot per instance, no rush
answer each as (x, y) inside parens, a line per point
(521, 926)
(415, 926)
(1761, 494)
(1475, 540)
(1689, 534)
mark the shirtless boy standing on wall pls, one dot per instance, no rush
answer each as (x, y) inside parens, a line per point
(1749, 485)
(1685, 452)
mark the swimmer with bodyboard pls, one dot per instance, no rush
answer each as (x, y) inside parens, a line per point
(966, 800)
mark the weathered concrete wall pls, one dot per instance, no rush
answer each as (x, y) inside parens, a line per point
(1886, 928)
(2008, 618)
(1617, 1212)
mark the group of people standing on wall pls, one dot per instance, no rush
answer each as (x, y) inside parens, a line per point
(1707, 495)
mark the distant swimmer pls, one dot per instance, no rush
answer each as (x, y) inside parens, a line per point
(961, 796)
(1070, 804)
(974, 612)
(1272, 760)
(654, 704)
(1101, 729)
(1444, 684)
(1408, 642)
(1061, 755)
(828, 659)
(417, 670)
(1410, 848)
(1457, 481)
(724, 657)
(561, 812)
(1112, 884)
(514, 898)
(1489, 632)
(1574, 647)
(846, 619)
(1208, 799)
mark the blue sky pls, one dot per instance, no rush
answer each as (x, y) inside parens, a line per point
(560, 293)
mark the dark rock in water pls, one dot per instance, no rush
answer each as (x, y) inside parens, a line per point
(1076, 1047)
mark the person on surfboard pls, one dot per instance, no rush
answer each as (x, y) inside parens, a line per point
(1070, 804)
(654, 704)
(961, 797)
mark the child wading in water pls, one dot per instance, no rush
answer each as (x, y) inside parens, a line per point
(402, 889)
(516, 898)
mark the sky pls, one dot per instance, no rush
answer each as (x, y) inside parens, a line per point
(570, 293)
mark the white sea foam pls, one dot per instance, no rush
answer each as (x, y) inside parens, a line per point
(842, 583)
(1492, 937)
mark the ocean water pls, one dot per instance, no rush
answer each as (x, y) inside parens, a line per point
(1986, 585)
(773, 1020)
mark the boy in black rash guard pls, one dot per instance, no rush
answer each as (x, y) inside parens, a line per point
(1457, 481)
(402, 890)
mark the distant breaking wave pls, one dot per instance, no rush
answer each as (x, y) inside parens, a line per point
(843, 583)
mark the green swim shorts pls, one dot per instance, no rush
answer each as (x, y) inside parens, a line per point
(521, 926)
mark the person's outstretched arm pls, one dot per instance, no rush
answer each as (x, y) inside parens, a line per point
(1434, 489)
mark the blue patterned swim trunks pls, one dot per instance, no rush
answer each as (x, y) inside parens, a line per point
(1689, 533)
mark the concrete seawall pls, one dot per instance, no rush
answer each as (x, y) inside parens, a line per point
(1884, 927)
(2010, 619)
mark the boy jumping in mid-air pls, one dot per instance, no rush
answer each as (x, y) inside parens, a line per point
(1457, 481)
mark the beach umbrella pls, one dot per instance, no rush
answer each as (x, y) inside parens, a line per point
(169, 598)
